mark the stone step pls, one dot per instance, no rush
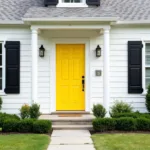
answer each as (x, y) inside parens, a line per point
(72, 127)
(71, 122)
(70, 112)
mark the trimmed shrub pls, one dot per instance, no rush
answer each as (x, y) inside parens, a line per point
(126, 124)
(25, 125)
(1, 102)
(25, 111)
(104, 124)
(132, 115)
(143, 124)
(4, 116)
(35, 111)
(148, 99)
(10, 125)
(120, 107)
(42, 126)
(99, 111)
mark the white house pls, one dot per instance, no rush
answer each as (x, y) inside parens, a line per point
(96, 51)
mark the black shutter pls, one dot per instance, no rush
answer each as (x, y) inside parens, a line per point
(50, 2)
(135, 67)
(93, 2)
(12, 67)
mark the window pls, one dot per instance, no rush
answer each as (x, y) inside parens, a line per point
(147, 64)
(1, 67)
(72, 3)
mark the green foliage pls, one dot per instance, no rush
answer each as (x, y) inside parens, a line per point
(25, 125)
(143, 124)
(120, 107)
(4, 116)
(35, 111)
(99, 111)
(10, 125)
(42, 126)
(126, 124)
(132, 115)
(1, 102)
(148, 99)
(25, 111)
(104, 124)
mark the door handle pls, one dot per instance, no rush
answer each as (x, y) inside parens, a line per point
(83, 82)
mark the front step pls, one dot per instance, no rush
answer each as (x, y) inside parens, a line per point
(70, 112)
(72, 127)
(82, 122)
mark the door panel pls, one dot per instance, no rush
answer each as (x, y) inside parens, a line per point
(70, 67)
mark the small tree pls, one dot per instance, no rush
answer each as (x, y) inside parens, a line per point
(35, 111)
(25, 111)
(148, 99)
(1, 102)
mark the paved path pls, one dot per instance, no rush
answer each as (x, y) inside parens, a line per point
(71, 140)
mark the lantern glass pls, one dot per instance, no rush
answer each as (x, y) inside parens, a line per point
(41, 51)
(98, 51)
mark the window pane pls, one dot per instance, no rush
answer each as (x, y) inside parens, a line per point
(0, 84)
(77, 1)
(67, 1)
(148, 60)
(0, 73)
(0, 60)
(147, 72)
(0, 48)
(147, 82)
(148, 48)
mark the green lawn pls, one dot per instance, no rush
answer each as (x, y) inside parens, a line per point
(24, 142)
(121, 141)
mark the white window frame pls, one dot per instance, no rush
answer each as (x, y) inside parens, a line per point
(62, 4)
(3, 68)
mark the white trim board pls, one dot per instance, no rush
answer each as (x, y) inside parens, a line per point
(55, 41)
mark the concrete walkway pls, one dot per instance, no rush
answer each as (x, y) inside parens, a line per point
(71, 140)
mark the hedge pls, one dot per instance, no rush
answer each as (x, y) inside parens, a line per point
(26, 126)
(105, 124)
(132, 115)
(4, 116)
(121, 124)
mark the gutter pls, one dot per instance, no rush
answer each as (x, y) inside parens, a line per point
(104, 19)
(2, 22)
(139, 22)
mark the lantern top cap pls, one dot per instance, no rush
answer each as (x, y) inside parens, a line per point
(42, 47)
(98, 47)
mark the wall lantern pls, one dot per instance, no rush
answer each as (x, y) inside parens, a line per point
(98, 51)
(41, 51)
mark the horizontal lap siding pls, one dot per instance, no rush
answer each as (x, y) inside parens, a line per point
(118, 66)
(13, 102)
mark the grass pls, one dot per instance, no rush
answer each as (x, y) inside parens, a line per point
(121, 141)
(24, 142)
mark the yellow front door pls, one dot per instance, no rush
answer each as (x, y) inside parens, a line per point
(70, 71)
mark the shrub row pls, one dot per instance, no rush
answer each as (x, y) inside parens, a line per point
(26, 125)
(121, 124)
(132, 115)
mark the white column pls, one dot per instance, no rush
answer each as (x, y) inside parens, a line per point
(34, 65)
(106, 71)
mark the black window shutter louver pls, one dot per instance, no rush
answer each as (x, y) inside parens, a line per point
(12, 67)
(50, 2)
(135, 67)
(93, 2)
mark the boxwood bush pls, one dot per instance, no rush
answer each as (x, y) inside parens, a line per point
(25, 125)
(104, 124)
(42, 126)
(4, 116)
(143, 124)
(126, 124)
(10, 125)
(99, 111)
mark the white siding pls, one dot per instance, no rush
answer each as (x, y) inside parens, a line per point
(13, 102)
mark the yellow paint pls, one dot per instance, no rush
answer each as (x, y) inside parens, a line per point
(70, 67)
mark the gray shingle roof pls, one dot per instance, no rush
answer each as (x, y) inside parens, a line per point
(125, 9)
